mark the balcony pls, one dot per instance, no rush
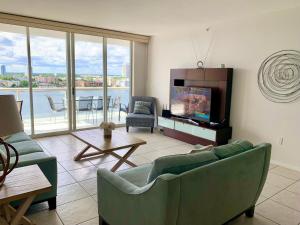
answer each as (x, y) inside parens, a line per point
(88, 114)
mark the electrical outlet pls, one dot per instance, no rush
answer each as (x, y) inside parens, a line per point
(281, 141)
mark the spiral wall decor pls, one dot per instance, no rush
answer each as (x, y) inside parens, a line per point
(279, 76)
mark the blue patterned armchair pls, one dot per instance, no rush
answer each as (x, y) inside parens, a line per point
(141, 120)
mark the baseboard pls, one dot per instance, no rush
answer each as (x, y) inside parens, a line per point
(297, 168)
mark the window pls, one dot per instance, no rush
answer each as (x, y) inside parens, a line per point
(56, 74)
(88, 80)
(118, 78)
(14, 77)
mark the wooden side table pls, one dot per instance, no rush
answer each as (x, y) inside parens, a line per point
(24, 184)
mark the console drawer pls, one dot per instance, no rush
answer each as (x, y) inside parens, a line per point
(196, 131)
(205, 133)
(164, 122)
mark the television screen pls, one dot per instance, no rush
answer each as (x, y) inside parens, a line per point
(191, 102)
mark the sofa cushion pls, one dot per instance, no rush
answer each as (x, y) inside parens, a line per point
(234, 148)
(18, 137)
(137, 175)
(141, 107)
(176, 164)
(24, 147)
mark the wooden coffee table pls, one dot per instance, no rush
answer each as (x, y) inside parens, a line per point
(94, 139)
(24, 183)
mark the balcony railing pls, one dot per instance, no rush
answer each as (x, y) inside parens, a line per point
(46, 119)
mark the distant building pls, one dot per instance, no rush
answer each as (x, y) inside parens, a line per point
(46, 80)
(3, 70)
(84, 83)
(126, 70)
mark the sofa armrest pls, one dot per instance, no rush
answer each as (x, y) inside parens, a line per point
(121, 202)
(117, 182)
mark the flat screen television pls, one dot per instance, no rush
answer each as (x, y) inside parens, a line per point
(192, 102)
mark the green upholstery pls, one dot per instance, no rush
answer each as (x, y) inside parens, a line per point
(207, 195)
(24, 147)
(177, 164)
(137, 175)
(232, 149)
(31, 153)
(18, 137)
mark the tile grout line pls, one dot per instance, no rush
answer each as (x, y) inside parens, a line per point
(278, 202)
(268, 218)
(64, 141)
(284, 176)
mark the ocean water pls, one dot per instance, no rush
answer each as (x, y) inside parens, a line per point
(41, 105)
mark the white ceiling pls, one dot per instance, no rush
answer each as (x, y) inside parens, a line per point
(140, 16)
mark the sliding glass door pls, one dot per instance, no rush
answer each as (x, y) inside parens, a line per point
(14, 78)
(118, 79)
(61, 79)
(49, 80)
(89, 101)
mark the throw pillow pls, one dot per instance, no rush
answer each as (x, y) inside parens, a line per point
(141, 107)
(177, 164)
(234, 148)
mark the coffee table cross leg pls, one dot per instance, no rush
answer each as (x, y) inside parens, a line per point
(124, 159)
(81, 154)
(120, 157)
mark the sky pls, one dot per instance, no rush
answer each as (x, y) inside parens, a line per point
(48, 54)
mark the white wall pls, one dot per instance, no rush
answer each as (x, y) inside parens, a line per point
(140, 63)
(242, 45)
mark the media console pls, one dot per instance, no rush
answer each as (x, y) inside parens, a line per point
(194, 134)
(202, 133)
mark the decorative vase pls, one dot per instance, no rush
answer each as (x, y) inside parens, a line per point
(107, 133)
(5, 163)
(107, 127)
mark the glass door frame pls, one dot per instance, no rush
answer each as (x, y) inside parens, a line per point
(70, 65)
(30, 72)
(73, 85)
(105, 86)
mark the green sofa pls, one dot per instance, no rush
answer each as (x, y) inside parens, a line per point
(31, 153)
(210, 194)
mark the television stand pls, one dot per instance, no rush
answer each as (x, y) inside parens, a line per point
(204, 134)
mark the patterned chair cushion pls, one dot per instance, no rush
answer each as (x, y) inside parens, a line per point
(140, 120)
(141, 107)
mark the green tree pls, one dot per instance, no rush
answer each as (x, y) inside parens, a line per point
(24, 83)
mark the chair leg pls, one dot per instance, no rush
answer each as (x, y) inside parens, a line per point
(102, 221)
(151, 129)
(127, 129)
(52, 203)
(250, 212)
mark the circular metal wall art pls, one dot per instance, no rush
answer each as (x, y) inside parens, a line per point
(279, 76)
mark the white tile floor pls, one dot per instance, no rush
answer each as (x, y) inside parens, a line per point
(77, 201)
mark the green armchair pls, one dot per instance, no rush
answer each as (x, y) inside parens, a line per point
(207, 195)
